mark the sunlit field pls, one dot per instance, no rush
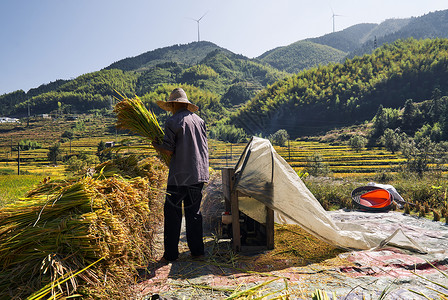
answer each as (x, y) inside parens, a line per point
(13, 187)
(343, 161)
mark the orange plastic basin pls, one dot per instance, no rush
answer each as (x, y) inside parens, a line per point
(375, 199)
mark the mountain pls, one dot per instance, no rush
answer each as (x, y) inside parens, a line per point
(431, 25)
(201, 64)
(322, 93)
(189, 54)
(335, 95)
(92, 91)
(301, 55)
(358, 40)
(233, 79)
(345, 40)
(217, 72)
(329, 48)
(384, 28)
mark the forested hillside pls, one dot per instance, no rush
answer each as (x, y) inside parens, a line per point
(332, 47)
(233, 79)
(356, 40)
(345, 40)
(384, 28)
(220, 72)
(87, 92)
(189, 54)
(301, 55)
(345, 93)
(431, 25)
(329, 94)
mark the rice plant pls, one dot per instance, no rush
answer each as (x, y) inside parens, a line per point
(133, 115)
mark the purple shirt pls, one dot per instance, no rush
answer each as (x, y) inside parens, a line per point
(185, 135)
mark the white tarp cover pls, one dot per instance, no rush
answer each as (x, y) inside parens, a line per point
(268, 179)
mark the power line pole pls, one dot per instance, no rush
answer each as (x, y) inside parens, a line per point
(231, 152)
(28, 121)
(289, 151)
(18, 158)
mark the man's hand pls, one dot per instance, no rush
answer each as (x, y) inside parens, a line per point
(161, 149)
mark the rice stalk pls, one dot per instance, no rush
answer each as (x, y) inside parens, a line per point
(386, 290)
(132, 115)
(420, 294)
(320, 295)
(47, 289)
(265, 274)
(443, 286)
(251, 291)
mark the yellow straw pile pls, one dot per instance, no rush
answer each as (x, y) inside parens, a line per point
(65, 226)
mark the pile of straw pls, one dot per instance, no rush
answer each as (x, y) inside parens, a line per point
(132, 115)
(294, 247)
(64, 226)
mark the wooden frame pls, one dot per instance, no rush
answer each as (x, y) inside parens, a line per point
(231, 205)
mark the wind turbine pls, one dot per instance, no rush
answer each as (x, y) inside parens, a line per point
(334, 15)
(198, 20)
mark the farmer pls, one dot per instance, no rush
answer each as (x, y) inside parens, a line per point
(185, 141)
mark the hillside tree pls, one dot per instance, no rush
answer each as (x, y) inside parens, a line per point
(279, 138)
(411, 114)
(421, 155)
(391, 140)
(54, 153)
(315, 165)
(357, 142)
(379, 122)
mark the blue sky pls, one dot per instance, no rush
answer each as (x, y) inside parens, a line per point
(46, 40)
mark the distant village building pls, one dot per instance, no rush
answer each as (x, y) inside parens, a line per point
(109, 144)
(9, 120)
(44, 116)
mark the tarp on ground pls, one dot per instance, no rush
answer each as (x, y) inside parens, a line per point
(268, 180)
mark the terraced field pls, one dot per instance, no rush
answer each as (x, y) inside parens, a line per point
(342, 160)
(90, 130)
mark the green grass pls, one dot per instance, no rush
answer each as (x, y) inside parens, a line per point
(13, 187)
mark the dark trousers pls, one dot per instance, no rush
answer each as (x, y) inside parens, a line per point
(191, 197)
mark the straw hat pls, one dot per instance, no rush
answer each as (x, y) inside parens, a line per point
(177, 95)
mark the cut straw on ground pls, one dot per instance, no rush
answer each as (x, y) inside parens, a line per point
(64, 226)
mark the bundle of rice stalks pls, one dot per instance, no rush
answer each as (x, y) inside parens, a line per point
(133, 115)
(65, 226)
(131, 166)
